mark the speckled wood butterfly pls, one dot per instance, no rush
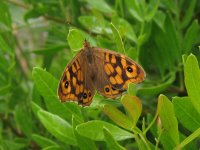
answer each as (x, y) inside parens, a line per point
(99, 69)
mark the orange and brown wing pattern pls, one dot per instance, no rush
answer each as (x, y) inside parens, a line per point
(119, 71)
(73, 85)
(95, 68)
(109, 91)
(125, 71)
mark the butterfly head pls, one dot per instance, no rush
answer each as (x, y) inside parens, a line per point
(86, 44)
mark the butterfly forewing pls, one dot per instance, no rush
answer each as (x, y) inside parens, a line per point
(75, 85)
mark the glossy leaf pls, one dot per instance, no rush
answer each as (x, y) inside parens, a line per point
(95, 24)
(42, 141)
(83, 142)
(134, 9)
(186, 113)
(25, 123)
(188, 14)
(124, 28)
(133, 106)
(94, 130)
(159, 19)
(171, 5)
(118, 39)
(192, 78)
(75, 35)
(168, 46)
(50, 50)
(75, 39)
(100, 5)
(53, 148)
(169, 123)
(58, 127)
(111, 142)
(145, 32)
(132, 89)
(5, 16)
(117, 116)
(187, 140)
(190, 37)
(151, 9)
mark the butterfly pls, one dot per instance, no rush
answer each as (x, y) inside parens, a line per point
(99, 69)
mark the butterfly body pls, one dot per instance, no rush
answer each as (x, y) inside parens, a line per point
(99, 69)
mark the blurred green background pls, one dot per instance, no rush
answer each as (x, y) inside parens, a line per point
(39, 37)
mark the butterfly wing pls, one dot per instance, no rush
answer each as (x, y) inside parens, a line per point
(74, 84)
(115, 72)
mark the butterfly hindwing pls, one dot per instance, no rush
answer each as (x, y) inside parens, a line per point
(118, 70)
(103, 85)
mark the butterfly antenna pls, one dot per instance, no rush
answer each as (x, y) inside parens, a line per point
(86, 44)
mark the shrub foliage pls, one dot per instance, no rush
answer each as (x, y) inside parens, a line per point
(38, 39)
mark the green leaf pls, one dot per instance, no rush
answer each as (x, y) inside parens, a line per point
(153, 128)
(35, 108)
(7, 64)
(190, 37)
(32, 13)
(58, 127)
(22, 117)
(186, 113)
(124, 28)
(94, 130)
(168, 46)
(36, 97)
(47, 86)
(189, 12)
(110, 141)
(50, 50)
(142, 143)
(75, 39)
(135, 9)
(75, 10)
(191, 145)
(151, 124)
(171, 5)
(4, 46)
(95, 24)
(159, 19)
(163, 48)
(132, 89)
(14, 144)
(118, 39)
(170, 135)
(192, 78)
(83, 142)
(184, 58)
(133, 106)
(5, 16)
(117, 116)
(42, 141)
(187, 140)
(100, 5)
(151, 9)
(156, 89)
(53, 147)
(145, 33)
